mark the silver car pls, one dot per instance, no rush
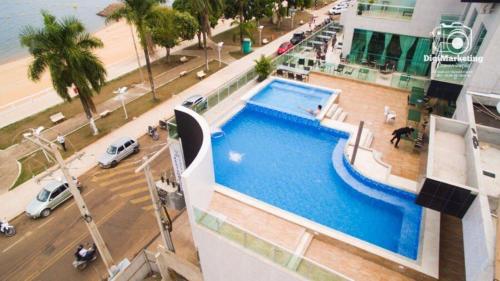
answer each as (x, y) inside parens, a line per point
(197, 103)
(118, 151)
(52, 195)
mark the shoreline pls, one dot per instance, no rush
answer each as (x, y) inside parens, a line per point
(117, 47)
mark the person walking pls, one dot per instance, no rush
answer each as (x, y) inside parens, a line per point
(400, 132)
(61, 141)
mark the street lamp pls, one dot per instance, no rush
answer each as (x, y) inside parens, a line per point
(292, 14)
(219, 49)
(260, 34)
(121, 96)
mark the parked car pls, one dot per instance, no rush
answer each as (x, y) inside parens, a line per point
(338, 45)
(52, 195)
(118, 151)
(196, 102)
(284, 47)
(297, 38)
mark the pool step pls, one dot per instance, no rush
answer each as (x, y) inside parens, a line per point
(303, 245)
(332, 110)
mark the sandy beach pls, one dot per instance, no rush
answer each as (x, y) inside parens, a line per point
(16, 85)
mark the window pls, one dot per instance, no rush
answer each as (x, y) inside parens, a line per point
(127, 144)
(479, 40)
(120, 149)
(56, 192)
(472, 18)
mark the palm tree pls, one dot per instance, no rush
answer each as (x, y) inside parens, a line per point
(65, 49)
(137, 12)
(205, 8)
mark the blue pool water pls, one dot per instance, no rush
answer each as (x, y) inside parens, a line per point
(292, 98)
(297, 165)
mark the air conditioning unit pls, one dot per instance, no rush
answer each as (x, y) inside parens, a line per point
(487, 8)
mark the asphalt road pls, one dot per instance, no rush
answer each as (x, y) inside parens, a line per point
(120, 204)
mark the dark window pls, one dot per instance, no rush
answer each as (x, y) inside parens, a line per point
(479, 40)
(56, 192)
(127, 144)
(472, 18)
(120, 149)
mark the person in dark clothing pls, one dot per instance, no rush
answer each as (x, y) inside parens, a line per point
(400, 132)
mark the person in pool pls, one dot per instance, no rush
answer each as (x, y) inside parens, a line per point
(315, 112)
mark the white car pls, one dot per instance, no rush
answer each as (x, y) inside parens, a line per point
(118, 151)
(337, 10)
(338, 45)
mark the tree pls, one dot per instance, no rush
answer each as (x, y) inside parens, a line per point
(246, 29)
(185, 6)
(137, 12)
(205, 8)
(169, 27)
(259, 9)
(66, 50)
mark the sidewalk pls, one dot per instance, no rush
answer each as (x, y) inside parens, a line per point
(48, 97)
(13, 202)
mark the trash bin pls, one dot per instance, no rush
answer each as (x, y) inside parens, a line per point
(247, 45)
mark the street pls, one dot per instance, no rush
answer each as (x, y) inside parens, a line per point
(120, 204)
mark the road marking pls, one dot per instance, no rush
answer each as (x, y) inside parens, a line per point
(126, 185)
(122, 174)
(148, 208)
(43, 224)
(69, 206)
(140, 199)
(15, 243)
(92, 190)
(72, 244)
(133, 192)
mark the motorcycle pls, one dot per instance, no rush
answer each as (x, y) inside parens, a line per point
(81, 263)
(153, 133)
(7, 229)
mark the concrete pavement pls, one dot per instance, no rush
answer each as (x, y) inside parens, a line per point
(14, 202)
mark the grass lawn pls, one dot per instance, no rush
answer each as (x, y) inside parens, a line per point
(13, 132)
(36, 163)
(270, 31)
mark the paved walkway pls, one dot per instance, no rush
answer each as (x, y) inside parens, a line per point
(14, 202)
(9, 168)
(48, 97)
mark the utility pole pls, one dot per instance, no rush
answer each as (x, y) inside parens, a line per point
(163, 224)
(85, 212)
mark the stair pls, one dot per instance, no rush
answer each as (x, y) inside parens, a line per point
(342, 117)
(332, 110)
(337, 113)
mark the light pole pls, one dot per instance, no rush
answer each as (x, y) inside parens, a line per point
(219, 49)
(261, 27)
(292, 14)
(121, 96)
(84, 210)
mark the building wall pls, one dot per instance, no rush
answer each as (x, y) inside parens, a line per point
(479, 243)
(223, 260)
(485, 76)
(425, 18)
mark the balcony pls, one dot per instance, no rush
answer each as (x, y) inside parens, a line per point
(400, 10)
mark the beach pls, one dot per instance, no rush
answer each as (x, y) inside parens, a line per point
(17, 86)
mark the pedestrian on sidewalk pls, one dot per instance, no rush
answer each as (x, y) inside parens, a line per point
(61, 141)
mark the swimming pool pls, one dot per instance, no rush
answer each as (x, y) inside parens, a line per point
(295, 164)
(292, 98)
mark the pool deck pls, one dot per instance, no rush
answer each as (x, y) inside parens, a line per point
(363, 101)
(336, 255)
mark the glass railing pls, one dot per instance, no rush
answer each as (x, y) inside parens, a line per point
(215, 97)
(385, 11)
(269, 250)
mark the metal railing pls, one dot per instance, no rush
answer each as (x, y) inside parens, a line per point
(385, 11)
(267, 249)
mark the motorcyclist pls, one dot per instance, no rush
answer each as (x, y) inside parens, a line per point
(83, 254)
(3, 225)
